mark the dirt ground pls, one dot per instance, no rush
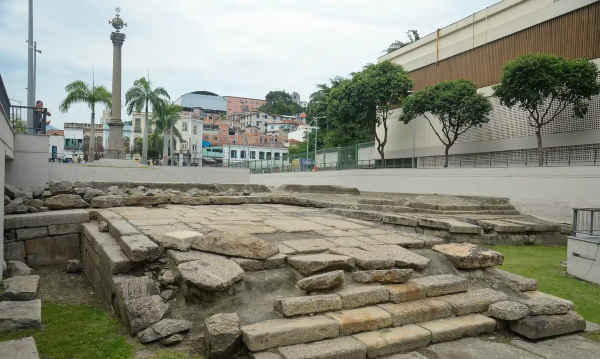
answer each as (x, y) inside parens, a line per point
(69, 288)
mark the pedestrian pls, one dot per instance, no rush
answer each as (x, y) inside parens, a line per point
(38, 116)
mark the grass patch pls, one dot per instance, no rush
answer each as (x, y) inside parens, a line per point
(542, 263)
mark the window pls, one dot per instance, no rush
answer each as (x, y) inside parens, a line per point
(242, 154)
(261, 141)
(265, 116)
(276, 155)
(206, 137)
(275, 140)
(261, 155)
(233, 153)
(184, 126)
(195, 130)
(268, 155)
(252, 155)
(194, 149)
(234, 142)
(272, 127)
(216, 138)
(257, 116)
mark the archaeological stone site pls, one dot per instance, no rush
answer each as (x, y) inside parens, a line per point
(295, 272)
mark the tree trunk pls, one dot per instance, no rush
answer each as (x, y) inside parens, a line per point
(538, 134)
(165, 149)
(172, 145)
(92, 150)
(446, 156)
(145, 138)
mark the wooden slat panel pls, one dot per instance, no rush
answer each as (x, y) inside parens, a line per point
(573, 35)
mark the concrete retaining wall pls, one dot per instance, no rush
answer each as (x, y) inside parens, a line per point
(549, 193)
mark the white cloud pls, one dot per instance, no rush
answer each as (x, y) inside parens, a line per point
(231, 47)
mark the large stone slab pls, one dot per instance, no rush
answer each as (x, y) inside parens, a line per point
(313, 263)
(335, 223)
(454, 328)
(211, 273)
(52, 250)
(507, 310)
(393, 340)
(542, 326)
(21, 315)
(144, 312)
(451, 225)
(403, 257)
(399, 239)
(565, 346)
(129, 288)
(61, 229)
(163, 329)
(406, 292)
(477, 348)
(365, 259)
(361, 295)
(19, 349)
(108, 249)
(181, 257)
(181, 240)
(383, 276)
(513, 281)
(107, 201)
(120, 227)
(145, 200)
(282, 332)
(294, 225)
(322, 281)
(139, 248)
(222, 335)
(468, 256)
(42, 219)
(437, 285)
(361, 320)
(24, 234)
(20, 288)
(309, 246)
(65, 201)
(356, 214)
(417, 311)
(477, 301)
(14, 251)
(323, 189)
(339, 348)
(237, 245)
(399, 219)
(253, 265)
(540, 303)
(290, 307)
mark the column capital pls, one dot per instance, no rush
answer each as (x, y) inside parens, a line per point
(117, 38)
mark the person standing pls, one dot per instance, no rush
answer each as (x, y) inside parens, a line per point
(38, 116)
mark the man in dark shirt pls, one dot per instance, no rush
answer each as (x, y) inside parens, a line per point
(37, 117)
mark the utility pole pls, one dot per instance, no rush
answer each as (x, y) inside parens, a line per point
(30, 74)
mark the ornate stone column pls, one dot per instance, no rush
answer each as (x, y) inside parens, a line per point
(116, 148)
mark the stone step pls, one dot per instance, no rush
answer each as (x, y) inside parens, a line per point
(341, 348)
(107, 248)
(21, 315)
(365, 259)
(361, 320)
(19, 349)
(403, 257)
(22, 288)
(469, 256)
(451, 225)
(290, 307)
(138, 247)
(313, 263)
(383, 276)
(457, 327)
(393, 340)
(477, 301)
(542, 326)
(438, 285)
(362, 295)
(211, 273)
(417, 311)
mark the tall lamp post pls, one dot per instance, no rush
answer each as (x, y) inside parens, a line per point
(410, 93)
(316, 120)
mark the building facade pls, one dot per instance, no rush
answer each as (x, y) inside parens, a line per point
(206, 101)
(242, 104)
(476, 48)
(191, 129)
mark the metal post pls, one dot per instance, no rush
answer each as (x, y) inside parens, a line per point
(413, 143)
(526, 157)
(316, 135)
(595, 154)
(569, 156)
(30, 79)
(574, 233)
(592, 223)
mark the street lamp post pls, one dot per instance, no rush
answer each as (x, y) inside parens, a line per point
(410, 93)
(316, 120)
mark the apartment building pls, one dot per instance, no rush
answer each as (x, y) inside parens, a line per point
(242, 104)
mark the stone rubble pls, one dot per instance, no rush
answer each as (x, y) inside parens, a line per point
(324, 281)
(222, 335)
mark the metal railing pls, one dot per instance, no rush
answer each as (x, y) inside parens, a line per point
(586, 222)
(4, 100)
(18, 127)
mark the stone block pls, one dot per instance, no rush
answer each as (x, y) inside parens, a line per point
(290, 307)
(399, 239)
(507, 310)
(181, 257)
(542, 326)
(339, 348)
(365, 259)
(472, 348)
(454, 328)
(266, 355)
(540, 303)
(417, 311)
(361, 295)
(14, 251)
(19, 349)
(361, 320)
(252, 265)
(181, 241)
(163, 329)
(31, 233)
(477, 301)
(399, 220)
(512, 281)
(222, 335)
(120, 227)
(145, 200)
(107, 201)
(143, 312)
(17, 268)
(469, 256)
(437, 285)
(406, 292)
(310, 246)
(356, 214)
(237, 245)
(403, 257)
(61, 229)
(65, 201)
(21, 315)
(383, 276)
(351, 241)
(43, 219)
(52, 250)
(129, 288)
(313, 263)
(323, 189)
(108, 250)
(322, 281)
(211, 273)
(393, 340)
(283, 249)
(139, 248)
(281, 332)
(20, 288)
(74, 266)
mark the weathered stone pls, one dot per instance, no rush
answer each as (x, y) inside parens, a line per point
(102, 226)
(399, 239)
(120, 227)
(59, 187)
(507, 310)
(238, 245)
(6, 200)
(162, 329)
(453, 328)
(392, 340)
(406, 292)
(108, 250)
(323, 189)
(365, 259)
(46, 219)
(74, 266)
(190, 201)
(80, 191)
(290, 307)
(168, 294)
(512, 281)
(403, 257)
(24, 194)
(11, 190)
(32, 209)
(181, 257)
(540, 303)
(17, 269)
(21, 315)
(144, 312)
(182, 240)
(145, 200)
(19, 349)
(383, 276)
(89, 195)
(52, 250)
(361, 320)
(10, 235)
(252, 265)
(444, 284)
(172, 339)
(564, 346)
(30, 233)
(417, 311)
(20, 288)
(35, 203)
(61, 229)
(476, 301)
(211, 273)
(107, 201)
(14, 251)
(222, 335)
(46, 194)
(168, 277)
(313, 263)
(282, 332)
(542, 326)
(310, 246)
(132, 288)
(65, 201)
(139, 248)
(398, 219)
(339, 348)
(471, 348)
(361, 295)
(467, 255)
(322, 281)
(16, 206)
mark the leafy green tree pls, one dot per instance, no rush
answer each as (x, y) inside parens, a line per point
(280, 103)
(80, 92)
(20, 126)
(165, 117)
(413, 36)
(457, 106)
(545, 86)
(140, 96)
(369, 98)
(126, 142)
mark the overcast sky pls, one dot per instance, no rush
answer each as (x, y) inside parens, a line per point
(239, 48)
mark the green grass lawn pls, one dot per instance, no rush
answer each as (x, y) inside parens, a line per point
(542, 263)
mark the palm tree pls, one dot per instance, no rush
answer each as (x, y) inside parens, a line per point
(165, 117)
(139, 96)
(80, 92)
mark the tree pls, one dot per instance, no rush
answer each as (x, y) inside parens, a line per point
(126, 142)
(457, 106)
(80, 92)
(280, 103)
(20, 126)
(165, 117)
(370, 97)
(545, 86)
(413, 36)
(140, 96)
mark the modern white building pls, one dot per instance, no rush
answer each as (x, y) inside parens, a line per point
(241, 153)
(300, 132)
(73, 141)
(191, 130)
(276, 126)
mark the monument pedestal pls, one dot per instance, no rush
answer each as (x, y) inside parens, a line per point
(116, 147)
